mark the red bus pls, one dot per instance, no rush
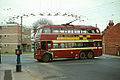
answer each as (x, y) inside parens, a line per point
(67, 41)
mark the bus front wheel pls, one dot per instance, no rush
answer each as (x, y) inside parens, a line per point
(46, 58)
(39, 60)
(82, 55)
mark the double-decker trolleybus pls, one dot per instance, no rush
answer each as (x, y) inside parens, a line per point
(67, 41)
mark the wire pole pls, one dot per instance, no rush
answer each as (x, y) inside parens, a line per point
(0, 55)
(21, 32)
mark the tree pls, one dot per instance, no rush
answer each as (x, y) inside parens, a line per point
(39, 23)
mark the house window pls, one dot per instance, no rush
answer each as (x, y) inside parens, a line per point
(0, 27)
(6, 45)
(6, 36)
(0, 45)
(0, 37)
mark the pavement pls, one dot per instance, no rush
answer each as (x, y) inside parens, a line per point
(8, 72)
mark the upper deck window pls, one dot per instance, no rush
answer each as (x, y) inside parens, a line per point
(77, 30)
(0, 27)
(46, 30)
(89, 30)
(63, 30)
(40, 30)
(55, 30)
(95, 31)
(70, 30)
(83, 31)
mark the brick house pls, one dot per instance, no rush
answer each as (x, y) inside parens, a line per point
(111, 39)
(10, 37)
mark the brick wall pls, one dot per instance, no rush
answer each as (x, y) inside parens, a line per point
(112, 39)
(11, 37)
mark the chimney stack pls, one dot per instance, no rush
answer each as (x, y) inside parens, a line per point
(111, 23)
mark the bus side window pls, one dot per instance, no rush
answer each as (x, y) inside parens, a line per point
(78, 44)
(40, 30)
(83, 31)
(47, 30)
(63, 30)
(63, 45)
(70, 30)
(90, 44)
(49, 45)
(89, 30)
(98, 44)
(71, 45)
(77, 30)
(56, 45)
(84, 44)
(55, 30)
(96, 31)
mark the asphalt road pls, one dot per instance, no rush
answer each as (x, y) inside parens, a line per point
(101, 68)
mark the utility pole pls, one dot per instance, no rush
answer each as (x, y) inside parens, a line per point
(0, 55)
(21, 32)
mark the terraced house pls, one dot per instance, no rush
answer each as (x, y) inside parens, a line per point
(111, 39)
(10, 37)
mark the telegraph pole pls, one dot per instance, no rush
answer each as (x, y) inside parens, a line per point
(21, 32)
(0, 55)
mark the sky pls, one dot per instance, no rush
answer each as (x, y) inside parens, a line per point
(91, 11)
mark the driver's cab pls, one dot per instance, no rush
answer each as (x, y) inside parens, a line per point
(42, 46)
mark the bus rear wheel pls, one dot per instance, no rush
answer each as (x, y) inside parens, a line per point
(90, 55)
(82, 55)
(46, 58)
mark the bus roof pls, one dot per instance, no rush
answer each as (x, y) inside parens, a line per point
(71, 26)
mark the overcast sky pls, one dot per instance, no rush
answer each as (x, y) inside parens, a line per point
(92, 11)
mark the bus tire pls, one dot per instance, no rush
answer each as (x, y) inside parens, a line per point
(82, 55)
(39, 60)
(90, 55)
(46, 58)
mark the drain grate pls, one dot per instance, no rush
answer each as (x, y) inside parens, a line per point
(8, 75)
